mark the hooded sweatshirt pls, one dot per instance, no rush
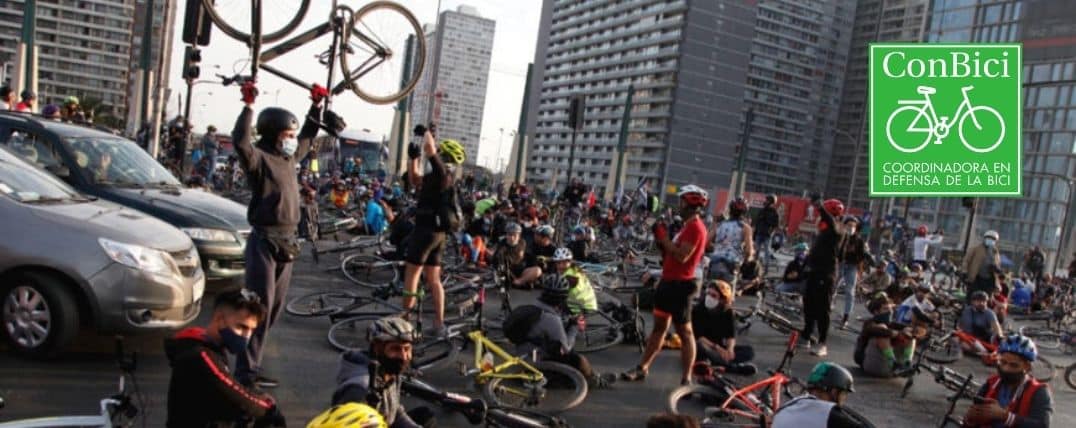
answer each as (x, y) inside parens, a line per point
(202, 391)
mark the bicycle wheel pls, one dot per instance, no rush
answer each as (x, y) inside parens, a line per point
(369, 271)
(601, 332)
(376, 43)
(909, 115)
(350, 334)
(704, 402)
(1045, 337)
(320, 303)
(516, 418)
(986, 132)
(561, 388)
(433, 353)
(1042, 369)
(1070, 376)
(279, 17)
(943, 351)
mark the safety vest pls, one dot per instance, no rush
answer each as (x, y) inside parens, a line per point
(581, 297)
(1020, 405)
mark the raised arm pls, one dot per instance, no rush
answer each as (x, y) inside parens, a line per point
(241, 135)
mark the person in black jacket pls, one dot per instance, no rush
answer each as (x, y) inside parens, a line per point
(270, 165)
(821, 268)
(852, 254)
(202, 392)
(765, 225)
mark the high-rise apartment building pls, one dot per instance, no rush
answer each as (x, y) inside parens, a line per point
(86, 47)
(1044, 215)
(696, 67)
(164, 20)
(452, 90)
(876, 21)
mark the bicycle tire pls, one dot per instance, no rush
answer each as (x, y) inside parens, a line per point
(349, 334)
(553, 373)
(517, 418)
(601, 332)
(320, 303)
(708, 398)
(370, 271)
(1045, 337)
(889, 129)
(968, 115)
(267, 37)
(944, 351)
(1070, 376)
(419, 53)
(1042, 369)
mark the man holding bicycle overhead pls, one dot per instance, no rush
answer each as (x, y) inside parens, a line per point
(828, 387)
(1012, 397)
(202, 392)
(373, 377)
(437, 213)
(270, 164)
(672, 298)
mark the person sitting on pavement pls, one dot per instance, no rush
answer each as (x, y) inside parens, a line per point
(202, 391)
(542, 248)
(1021, 296)
(539, 329)
(390, 351)
(822, 405)
(919, 300)
(339, 196)
(795, 271)
(714, 323)
(348, 415)
(582, 239)
(981, 322)
(581, 297)
(512, 254)
(733, 244)
(882, 340)
(877, 280)
(1012, 397)
(378, 214)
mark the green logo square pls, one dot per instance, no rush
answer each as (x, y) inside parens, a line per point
(945, 119)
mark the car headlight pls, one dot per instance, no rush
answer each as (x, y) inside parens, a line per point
(139, 257)
(209, 235)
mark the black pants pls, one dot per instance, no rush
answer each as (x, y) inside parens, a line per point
(816, 301)
(576, 360)
(743, 354)
(268, 279)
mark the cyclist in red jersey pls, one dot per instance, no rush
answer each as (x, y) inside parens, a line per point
(672, 298)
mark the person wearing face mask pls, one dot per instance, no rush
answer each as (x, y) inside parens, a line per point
(1012, 398)
(919, 300)
(877, 280)
(980, 321)
(881, 341)
(821, 268)
(852, 254)
(373, 376)
(715, 331)
(269, 165)
(795, 271)
(981, 265)
(822, 405)
(202, 392)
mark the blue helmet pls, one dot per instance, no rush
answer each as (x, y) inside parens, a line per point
(1020, 345)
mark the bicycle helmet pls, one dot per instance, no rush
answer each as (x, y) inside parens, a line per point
(737, 207)
(579, 230)
(834, 207)
(801, 247)
(851, 219)
(73, 100)
(693, 195)
(554, 288)
(513, 228)
(545, 230)
(274, 120)
(921, 230)
(349, 415)
(391, 329)
(979, 295)
(771, 199)
(562, 254)
(827, 375)
(877, 302)
(1020, 345)
(991, 234)
(27, 94)
(452, 152)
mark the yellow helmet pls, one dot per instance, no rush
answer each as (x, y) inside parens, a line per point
(349, 415)
(452, 151)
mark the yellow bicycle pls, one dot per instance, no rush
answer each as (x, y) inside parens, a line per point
(542, 386)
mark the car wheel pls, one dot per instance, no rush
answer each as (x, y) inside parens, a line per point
(38, 313)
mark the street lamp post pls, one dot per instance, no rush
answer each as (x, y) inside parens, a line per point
(1062, 243)
(855, 164)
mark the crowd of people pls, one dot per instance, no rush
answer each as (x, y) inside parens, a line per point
(68, 111)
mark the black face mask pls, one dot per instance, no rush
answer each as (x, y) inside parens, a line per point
(392, 366)
(1010, 378)
(883, 317)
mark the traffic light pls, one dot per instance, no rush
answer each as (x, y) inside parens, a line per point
(196, 24)
(191, 58)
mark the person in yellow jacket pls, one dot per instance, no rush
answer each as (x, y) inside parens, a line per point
(581, 297)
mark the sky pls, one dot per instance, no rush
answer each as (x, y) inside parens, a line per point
(515, 35)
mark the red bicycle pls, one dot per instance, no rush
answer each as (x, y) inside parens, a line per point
(950, 348)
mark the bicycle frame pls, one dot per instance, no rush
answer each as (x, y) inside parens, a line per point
(482, 344)
(928, 106)
(103, 420)
(775, 382)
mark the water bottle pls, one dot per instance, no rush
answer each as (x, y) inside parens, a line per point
(487, 362)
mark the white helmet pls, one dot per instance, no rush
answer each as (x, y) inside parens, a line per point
(992, 234)
(691, 188)
(391, 329)
(562, 254)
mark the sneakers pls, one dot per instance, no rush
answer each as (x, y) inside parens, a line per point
(820, 351)
(743, 369)
(602, 381)
(844, 322)
(634, 375)
(805, 344)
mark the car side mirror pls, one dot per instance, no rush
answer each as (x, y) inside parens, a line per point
(59, 170)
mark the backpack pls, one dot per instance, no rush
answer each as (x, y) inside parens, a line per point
(519, 322)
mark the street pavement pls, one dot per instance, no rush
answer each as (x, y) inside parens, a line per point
(301, 357)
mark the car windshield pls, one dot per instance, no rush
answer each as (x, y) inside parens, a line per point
(118, 162)
(23, 182)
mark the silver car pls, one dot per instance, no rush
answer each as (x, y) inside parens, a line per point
(68, 260)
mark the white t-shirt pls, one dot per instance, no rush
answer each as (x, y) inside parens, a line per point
(920, 244)
(905, 311)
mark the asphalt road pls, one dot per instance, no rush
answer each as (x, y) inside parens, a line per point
(299, 354)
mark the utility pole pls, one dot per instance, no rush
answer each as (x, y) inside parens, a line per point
(522, 129)
(26, 52)
(749, 117)
(622, 142)
(402, 107)
(576, 108)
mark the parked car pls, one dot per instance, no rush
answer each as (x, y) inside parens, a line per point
(69, 260)
(116, 169)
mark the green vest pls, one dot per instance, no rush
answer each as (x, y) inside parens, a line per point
(581, 297)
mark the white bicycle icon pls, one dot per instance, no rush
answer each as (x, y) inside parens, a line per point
(937, 128)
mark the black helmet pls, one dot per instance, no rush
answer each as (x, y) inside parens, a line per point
(274, 120)
(554, 289)
(771, 199)
(827, 375)
(27, 94)
(737, 207)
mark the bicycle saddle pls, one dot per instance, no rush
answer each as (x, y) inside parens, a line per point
(925, 90)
